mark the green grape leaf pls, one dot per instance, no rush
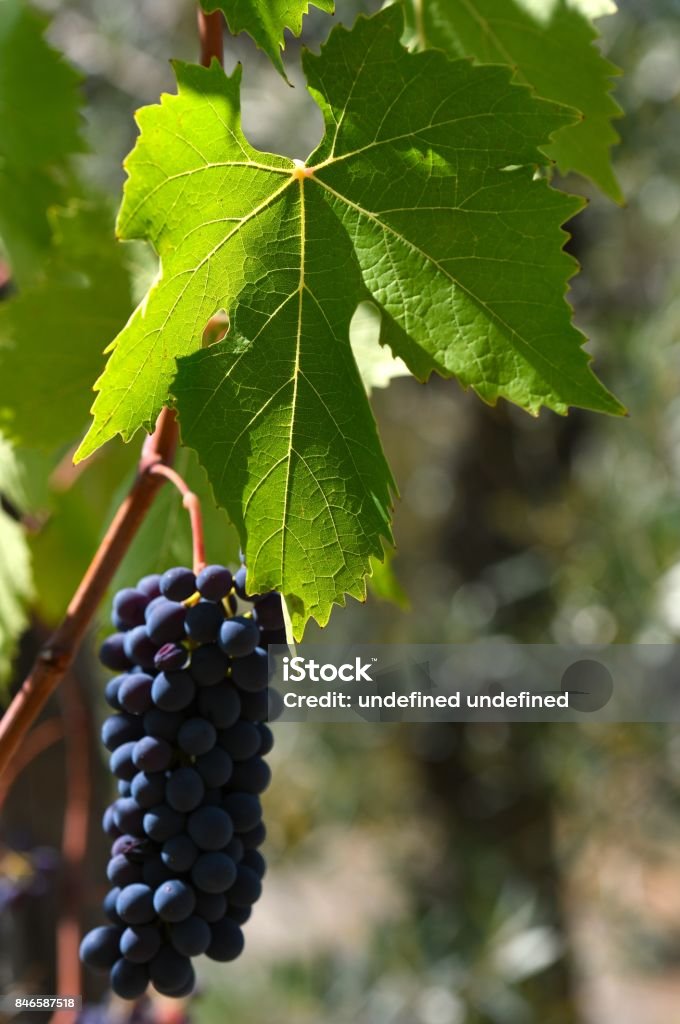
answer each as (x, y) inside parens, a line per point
(16, 584)
(423, 198)
(265, 21)
(82, 299)
(384, 584)
(40, 117)
(551, 46)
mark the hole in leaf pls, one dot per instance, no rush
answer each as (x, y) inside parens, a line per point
(216, 328)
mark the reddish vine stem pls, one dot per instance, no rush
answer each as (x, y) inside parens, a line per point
(192, 504)
(39, 739)
(211, 32)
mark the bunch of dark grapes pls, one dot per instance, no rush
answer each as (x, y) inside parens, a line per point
(187, 742)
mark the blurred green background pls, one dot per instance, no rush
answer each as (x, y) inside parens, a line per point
(451, 874)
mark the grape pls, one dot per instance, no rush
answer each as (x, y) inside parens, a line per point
(165, 622)
(240, 586)
(134, 693)
(109, 907)
(108, 823)
(191, 937)
(242, 740)
(255, 705)
(269, 612)
(179, 853)
(128, 608)
(226, 941)
(211, 906)
(128, 815)
(235, 850)
(220, 705)
(174, 900)
(212, 796)
(121, 763)
(251, 776)
(148, 789)
(169, 968)
(135, 904)
(178, 992)
(267, 739)
(152, 754)
(254, 837)
(210, 828)
(170, 657)
(239, 914)
(238, 636)
(178, 584)
(119, 729)
(173, 691)
(99, 948)
(140, 943)
(213, 872)
(214, 582)
(163, 724)
(247, 888)
(139, 648)
(111, 692)
(123, 787)
(129, 980)
(203, 622)
(196, 736)
(149, 586)
(254, 860)
(134, 847)
(184, 789)
(244, 809)
(273, 638)
(113, 653)
(252, 671)
(163, 822)
(215, 767)
(209, 665)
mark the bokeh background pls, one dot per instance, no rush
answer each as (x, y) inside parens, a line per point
(448, 874)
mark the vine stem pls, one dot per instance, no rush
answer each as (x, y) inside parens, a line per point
(192, 504)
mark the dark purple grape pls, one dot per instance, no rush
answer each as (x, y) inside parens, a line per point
(111, 692)
(210, 828)
(128, 607)
(109, 907)
(135, 847)
(251, 672)
(174, 900)
(121, 763)
(273, 638)
(173, 691)
(123, 788)
(213, 872)
(150, 586)
(234, 849)
(240, 586)
(139, 648)
(211, 906)
(178, 991)
(244, 809)
(179, 853)
(165, 622)
(255, 705)
(152, 754)
(108, 823)
(254, 860)
(135, 904)
(128, 980)
(212, 796)
(178, 584)
(241, 740)
(121, 871)
(113, 654)
(184, 789)
(148, 788)
(226, 941)
(129, 816)
(196, 736)
(266, 737)
(269, 611)
(191, 937)
(169, 969)
(214, 582)
(209, 665)
(140, 943)
(203, 622)
(247, 888)
(163, 724)
(170, 658)
(215, 767)
(134, 693)
(119, 729)
(254, 837)
(163, 822)
(238, 636)
(219, 704)
(251, 776)
(99, 948)
(156, 872)
(239, 915)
